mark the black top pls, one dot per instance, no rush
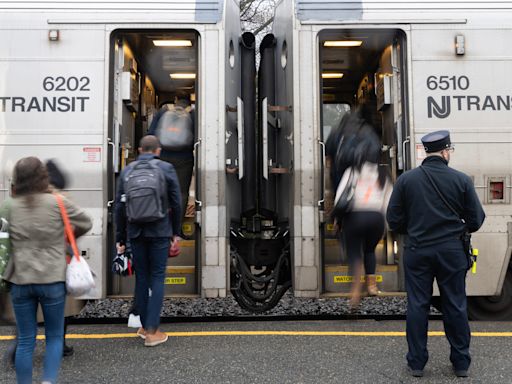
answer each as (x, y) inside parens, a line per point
(165, 227)
(415, 209)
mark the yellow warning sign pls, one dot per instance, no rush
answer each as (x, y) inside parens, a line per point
(187, 228)
(348, 279)
(175, 280)
(330, 227)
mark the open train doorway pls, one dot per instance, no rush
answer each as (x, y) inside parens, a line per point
(363, 68)
(152, 71)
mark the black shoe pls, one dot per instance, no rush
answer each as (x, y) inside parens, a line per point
(461, 372)
(67, 351)
(10, 354)
(415, 372)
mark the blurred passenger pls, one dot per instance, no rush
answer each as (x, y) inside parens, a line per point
(434, 205)
(149, 236)
(177, 141)
(354, 152)
(37, 268)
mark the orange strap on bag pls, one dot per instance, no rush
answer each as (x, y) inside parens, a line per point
(67, 227)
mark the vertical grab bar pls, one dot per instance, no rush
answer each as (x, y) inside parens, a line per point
(110, 203)
(264, 135)
(404, 157)
(240, 128)
(196, 156)
(322, 191)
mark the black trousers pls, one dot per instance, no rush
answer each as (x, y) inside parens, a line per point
(447, 263)
(184, 167)
(362, 232)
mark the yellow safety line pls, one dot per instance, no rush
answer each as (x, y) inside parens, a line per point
(264, 333)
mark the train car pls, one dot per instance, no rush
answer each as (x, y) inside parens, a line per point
(419, 66)
(81, 81)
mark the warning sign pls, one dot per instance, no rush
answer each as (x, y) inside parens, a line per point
(420, 153)
(92, 154)
(175, 280)
(349, 279)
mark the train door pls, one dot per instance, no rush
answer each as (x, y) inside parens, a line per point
(150, 71)
(362, 69)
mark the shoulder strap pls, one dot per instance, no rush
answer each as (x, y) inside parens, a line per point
(440, 194)
(67, 225)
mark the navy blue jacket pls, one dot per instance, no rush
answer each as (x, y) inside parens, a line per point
(415, 208)
(166, 227)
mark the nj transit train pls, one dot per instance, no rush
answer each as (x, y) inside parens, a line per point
(80, 82)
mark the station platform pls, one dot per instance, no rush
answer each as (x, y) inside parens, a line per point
(363, 351)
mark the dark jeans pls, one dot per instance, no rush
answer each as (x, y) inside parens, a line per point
(150, 254)
(25, 299)
(184, 167)
(447, 263)
(362, 232)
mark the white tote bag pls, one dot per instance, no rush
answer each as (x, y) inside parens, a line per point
(79, 277)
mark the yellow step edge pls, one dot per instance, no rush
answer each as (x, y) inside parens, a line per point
(180, 270)
(344, 268)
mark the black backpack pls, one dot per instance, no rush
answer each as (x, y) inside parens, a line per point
(145, 192)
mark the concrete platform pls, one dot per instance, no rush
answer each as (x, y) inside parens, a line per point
(364, 351)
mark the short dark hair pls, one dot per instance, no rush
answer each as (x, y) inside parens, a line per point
(149, 143)
(30, 176)
(183, 99)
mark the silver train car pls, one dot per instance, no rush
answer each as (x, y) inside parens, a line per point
(419, 66)
(81, 81)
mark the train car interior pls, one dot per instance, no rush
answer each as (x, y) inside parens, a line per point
(149, 69)
(363, 67)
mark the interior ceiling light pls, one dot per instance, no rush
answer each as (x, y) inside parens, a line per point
(172, 43)
(343, 43)
(182, 76)
(332, 75)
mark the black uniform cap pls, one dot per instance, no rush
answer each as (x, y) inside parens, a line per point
(436, 141)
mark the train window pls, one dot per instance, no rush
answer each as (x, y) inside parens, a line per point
(332, 114)
(231, 56)
(284, 54)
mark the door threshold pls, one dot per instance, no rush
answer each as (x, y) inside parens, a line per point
(171, 296)
(330, 295)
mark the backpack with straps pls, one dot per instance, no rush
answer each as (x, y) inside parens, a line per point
(145, 192)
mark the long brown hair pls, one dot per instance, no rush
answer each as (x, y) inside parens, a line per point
(30, 177)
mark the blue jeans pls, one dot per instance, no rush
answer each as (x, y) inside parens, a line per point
(150, 255)
(25, 299)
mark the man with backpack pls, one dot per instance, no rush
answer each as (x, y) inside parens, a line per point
(148, 213)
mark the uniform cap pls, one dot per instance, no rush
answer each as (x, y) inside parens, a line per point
(436, 141)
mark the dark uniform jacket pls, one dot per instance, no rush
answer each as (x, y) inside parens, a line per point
(415, 208)
(165, 227)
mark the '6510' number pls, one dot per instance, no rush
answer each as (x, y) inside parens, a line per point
(444, 83)
(62, 84)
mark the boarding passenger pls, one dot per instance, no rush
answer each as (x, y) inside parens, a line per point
(177, 142)
(434, 205)
(148, 214)
(354, 150)
(37, 268)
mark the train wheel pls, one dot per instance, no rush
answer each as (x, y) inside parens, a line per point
(493, 307)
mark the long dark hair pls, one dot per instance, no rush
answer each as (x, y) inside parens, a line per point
(383, 176)
(30, 177)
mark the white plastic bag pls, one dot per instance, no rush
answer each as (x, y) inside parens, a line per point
(79, 278)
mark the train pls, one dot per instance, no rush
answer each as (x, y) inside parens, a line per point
(81, 82)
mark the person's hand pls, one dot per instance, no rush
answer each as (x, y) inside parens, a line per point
(120, 248)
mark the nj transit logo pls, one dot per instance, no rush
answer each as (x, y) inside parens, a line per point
(440, 111)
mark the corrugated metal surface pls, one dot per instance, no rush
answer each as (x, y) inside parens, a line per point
(353, 9)
(204, 10)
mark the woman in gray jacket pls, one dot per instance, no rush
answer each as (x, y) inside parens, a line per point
(37, 268)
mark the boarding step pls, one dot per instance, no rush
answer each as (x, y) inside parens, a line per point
(337, 278)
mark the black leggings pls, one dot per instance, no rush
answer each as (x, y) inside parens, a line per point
(362, 232)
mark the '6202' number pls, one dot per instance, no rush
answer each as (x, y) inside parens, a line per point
(445, 83)
(62, 84)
